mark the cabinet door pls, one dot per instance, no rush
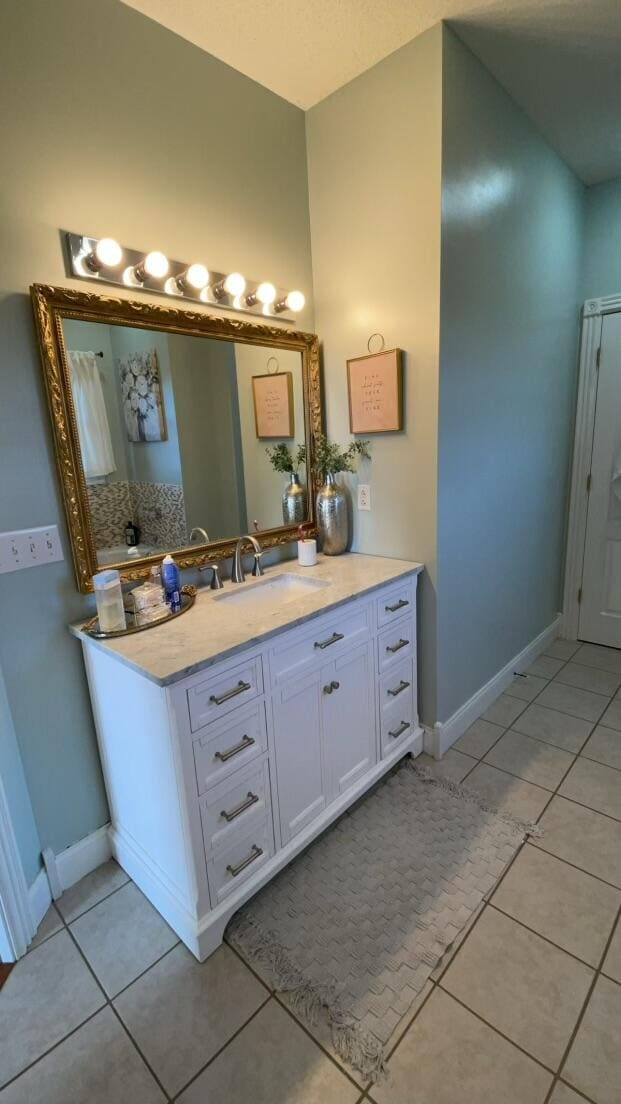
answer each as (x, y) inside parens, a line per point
(299, 761)
(348, 710)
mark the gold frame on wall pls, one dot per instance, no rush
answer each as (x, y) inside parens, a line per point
(396, 369)
(53, 304)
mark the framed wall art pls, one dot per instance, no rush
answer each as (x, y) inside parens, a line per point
(273, 405)
(375, 384)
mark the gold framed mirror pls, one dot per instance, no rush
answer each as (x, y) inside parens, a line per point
(162, 419)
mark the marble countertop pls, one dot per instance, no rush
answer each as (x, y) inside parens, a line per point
(215, 629)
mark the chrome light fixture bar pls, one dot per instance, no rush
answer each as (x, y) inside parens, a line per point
(106, 261)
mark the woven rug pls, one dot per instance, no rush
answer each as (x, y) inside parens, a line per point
(353, 927)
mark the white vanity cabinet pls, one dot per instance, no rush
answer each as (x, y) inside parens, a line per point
(217, 779)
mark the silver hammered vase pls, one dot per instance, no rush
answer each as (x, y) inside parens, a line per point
(332, 517)
(294, 510)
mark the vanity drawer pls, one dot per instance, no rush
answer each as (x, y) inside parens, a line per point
(397, 723)
(395, 643)
(397, 685)
(395, 603)
(217, 695)
(226, 747)
(326, 638)
(230, 868)
(236, 806)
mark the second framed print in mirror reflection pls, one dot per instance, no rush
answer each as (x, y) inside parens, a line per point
(273, 405)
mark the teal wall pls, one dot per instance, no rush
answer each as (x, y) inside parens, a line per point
(374, 160)
(111, 126)
(602, 253)
(512, 222)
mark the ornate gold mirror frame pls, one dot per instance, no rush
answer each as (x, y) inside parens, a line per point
(51, 306)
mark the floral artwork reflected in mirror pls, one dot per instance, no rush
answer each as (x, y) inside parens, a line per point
(142, 396)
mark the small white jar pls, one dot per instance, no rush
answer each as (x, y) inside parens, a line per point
(307, 552)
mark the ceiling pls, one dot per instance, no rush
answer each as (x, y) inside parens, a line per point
(559, 59)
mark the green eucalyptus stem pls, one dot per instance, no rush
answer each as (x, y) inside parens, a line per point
(282, 460)
(330, 458)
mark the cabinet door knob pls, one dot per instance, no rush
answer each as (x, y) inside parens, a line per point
(330, 686)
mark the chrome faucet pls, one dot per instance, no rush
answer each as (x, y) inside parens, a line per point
(237, 573)
(197, 531)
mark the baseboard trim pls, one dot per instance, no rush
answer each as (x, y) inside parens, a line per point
(444, 734)
(39, 899)
(83, 857)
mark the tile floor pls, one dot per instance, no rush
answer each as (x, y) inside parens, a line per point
(108, 1006)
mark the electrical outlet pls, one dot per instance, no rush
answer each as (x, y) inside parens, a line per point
(29, 548)
(364, 496)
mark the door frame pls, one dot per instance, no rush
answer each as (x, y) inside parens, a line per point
(16, 923)
(593, 313)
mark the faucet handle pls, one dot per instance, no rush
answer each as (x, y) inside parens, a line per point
(257, 567)
(215, 582)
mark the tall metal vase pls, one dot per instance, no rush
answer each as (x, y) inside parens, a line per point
(294, 510)
(332, 517)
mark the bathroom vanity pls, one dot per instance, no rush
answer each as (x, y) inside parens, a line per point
(232, 736)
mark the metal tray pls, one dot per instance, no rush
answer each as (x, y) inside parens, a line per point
(188, 594)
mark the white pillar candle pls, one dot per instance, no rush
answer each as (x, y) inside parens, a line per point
(307, 552)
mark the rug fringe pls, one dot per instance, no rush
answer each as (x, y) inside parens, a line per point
(528, 827)
(307, 998)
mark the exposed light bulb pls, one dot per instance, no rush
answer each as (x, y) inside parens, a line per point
(266, 294)
(235, 284)
(197, 276)
(108, 252)
(155, 264)
(296, 301)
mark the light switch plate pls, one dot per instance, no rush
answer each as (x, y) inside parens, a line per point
(364, 496)
(23, 548)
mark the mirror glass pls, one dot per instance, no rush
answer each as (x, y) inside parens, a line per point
(173, 432)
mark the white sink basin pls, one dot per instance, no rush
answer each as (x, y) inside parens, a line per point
(262, 593)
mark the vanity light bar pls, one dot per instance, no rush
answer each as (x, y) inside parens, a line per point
(104, 260)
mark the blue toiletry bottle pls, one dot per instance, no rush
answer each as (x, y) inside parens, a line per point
(171, 581)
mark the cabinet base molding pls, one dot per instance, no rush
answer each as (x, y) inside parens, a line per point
(157, 888)
(203, 935)
(443, 734)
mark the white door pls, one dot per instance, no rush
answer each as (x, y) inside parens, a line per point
(348, 719)
(600, 608)
(299, 760)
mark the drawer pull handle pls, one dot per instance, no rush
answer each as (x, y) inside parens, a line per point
(250, 800)
(398, 646)
(403, 727)
(331, 640)
(403, 685)
(331, 686)
(239, 689)
(244, 743)
(255, 854)
(397, 606)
